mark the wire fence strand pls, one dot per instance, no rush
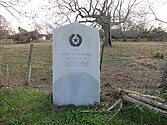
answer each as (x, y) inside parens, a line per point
(128, 65)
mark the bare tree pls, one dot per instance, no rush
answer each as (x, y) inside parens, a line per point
(124, 27)
(5, 28)
(102, 13)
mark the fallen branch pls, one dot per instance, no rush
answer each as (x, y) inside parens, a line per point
(143, 95)
(144, 104)
(148, 101)
(115, 104)
(121, 104)
(140, 99)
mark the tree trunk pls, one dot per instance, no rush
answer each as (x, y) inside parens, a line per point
(163, 83)
(109, 36)
(101, 57)
(102, 48)
(122, 35)
(107, 40)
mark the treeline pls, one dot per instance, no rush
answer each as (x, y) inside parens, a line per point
(155, 34)
(7, 32)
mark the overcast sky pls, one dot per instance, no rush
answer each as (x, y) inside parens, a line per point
(34, 6)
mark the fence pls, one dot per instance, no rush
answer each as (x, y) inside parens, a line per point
(14, 58)
(126, 65)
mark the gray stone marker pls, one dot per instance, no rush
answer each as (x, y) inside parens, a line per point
(76, 74)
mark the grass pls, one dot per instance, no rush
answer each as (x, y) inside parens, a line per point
(21, 106)
(127, 65)
(15, 57)
(133, 65)
(124, 55)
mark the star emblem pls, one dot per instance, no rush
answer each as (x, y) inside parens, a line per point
(75, 40)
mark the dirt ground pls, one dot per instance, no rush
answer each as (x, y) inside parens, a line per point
(129, 65)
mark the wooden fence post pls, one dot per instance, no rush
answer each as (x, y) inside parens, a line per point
(1, 75)
(8, 74)
(163, 83)
(28, 74)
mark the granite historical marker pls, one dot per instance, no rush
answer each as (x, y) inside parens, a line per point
(76, 74)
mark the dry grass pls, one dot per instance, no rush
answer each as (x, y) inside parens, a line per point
(129, 65)
(133, 66)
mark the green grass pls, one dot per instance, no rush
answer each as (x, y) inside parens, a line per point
(21, 106)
